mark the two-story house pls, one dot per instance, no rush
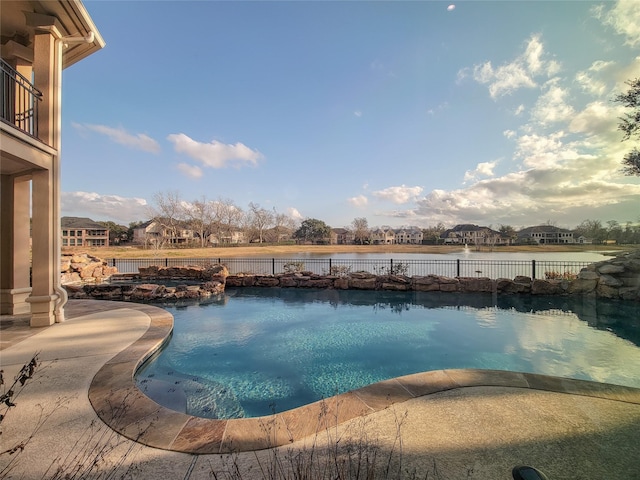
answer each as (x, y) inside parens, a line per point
(157, 232)
(83, 232)
(38, 40)
(383, 236)
(546, 234)
(469, 234)
(409, 235)
(341, 236)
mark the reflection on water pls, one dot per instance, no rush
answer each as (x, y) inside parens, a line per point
(258, 350)
(619, 317)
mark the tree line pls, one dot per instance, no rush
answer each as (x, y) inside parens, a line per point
(222, 218)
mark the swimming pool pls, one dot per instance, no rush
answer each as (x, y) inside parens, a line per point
(257, 351)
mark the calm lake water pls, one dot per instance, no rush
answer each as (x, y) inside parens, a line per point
(245, 264)
(256, 350)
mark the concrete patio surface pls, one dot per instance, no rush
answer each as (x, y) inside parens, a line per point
(452, 424)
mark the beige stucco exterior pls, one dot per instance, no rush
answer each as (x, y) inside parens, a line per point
(39, 39)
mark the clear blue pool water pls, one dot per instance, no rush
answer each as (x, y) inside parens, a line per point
(256, 351)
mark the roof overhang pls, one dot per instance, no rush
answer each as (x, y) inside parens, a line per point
(70, 18)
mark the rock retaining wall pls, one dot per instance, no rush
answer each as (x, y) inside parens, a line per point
(617, 278)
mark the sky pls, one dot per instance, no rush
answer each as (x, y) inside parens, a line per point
(402, 112)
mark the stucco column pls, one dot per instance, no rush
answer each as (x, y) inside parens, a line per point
(15, 285)
(43, 295)
(45, 269)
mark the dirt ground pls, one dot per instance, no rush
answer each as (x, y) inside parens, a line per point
(292, 250)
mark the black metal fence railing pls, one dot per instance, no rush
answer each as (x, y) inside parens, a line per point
(542, 269)
(19, 100)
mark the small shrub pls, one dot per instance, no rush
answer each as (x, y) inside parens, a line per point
(553, 275)
(339, 270)
(293, 267)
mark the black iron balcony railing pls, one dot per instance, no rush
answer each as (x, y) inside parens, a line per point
(19, 100)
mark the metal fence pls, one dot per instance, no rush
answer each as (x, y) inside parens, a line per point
(19, 100)
(324, 266)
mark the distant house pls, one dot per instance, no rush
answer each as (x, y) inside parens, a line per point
(408, 235)
(83, 232)
(383, 236)
(233, 237)
(546, 234)
(157, 233)
(469, 234)
(342, 236)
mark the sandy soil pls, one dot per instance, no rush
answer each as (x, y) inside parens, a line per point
(248, 251)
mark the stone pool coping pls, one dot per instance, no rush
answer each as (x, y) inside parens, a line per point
(118, 401)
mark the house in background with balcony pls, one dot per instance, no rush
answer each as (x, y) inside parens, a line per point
(546, 234)
(161, 232)
(342, 236)
(228, 237)
(38, 40)
(83, 232)
(383, 236)
(409, 236)
(469, 234)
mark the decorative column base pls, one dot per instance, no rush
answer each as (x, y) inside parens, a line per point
(42, 310)
(13, 301)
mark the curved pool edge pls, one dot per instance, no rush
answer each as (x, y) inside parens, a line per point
(122, 406)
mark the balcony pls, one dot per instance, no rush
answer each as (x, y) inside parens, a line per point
(20, 101)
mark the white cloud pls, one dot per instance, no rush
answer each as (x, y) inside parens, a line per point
(192, 171)
(138, 141)
(359, 201)
(101, 207)
(551, 106)
(215, 154)
(590, 80)
(401, 194)
(358, 113)
(563, 179)
(624, 18)
(519, 73)
(484, 169)
(628, 72)
(532, 196)
(294, 213)
(597, 118)
(519, 110)
(544, 151)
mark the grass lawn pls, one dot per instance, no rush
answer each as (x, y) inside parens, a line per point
(293, 250)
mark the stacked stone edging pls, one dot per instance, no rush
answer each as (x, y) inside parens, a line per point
(84, 268)
(617, 278)
(200, 282)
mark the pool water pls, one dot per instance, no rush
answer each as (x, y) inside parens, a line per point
(256, 351)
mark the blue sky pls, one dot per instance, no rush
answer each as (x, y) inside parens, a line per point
(405, 113)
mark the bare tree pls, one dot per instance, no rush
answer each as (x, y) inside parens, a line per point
(258, 220)
(283, 225)
(228, 218)
(200, 215)
(168, 213)
(361, 230)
